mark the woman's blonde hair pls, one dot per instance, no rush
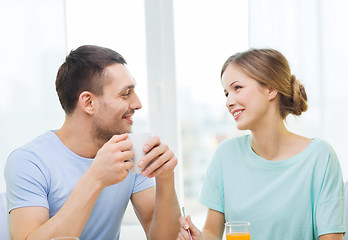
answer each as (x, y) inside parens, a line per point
(270, 68)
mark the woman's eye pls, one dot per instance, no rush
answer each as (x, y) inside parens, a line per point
(237, 87)
(226, 94)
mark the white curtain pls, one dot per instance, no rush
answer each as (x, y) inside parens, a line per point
(32, 46)
(313, 35)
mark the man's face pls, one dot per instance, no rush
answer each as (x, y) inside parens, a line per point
(116, 106)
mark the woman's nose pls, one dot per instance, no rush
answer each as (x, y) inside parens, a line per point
(230, 101)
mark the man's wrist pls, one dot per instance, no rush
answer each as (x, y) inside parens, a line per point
(92, 180)
(166, 178)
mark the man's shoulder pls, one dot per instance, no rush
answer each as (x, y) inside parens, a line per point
(35, 146)
(30, 159)
(40, 141)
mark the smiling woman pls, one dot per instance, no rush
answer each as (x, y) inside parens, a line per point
(282, 171)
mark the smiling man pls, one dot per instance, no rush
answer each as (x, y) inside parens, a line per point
(75, 181)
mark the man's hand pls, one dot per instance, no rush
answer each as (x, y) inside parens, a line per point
(111, 165)
(158, 209)
(160, 158)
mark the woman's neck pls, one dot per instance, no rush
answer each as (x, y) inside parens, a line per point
(268, 141)
(272, 141)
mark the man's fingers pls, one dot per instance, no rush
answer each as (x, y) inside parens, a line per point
(158, 161)
(128, 165)
(166, 166)
(125, 145)
(127, 156)
(151, 143)
(153, 154)
(119, 143)
(118, 138)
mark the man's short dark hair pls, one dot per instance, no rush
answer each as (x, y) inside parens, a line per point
(82, 71)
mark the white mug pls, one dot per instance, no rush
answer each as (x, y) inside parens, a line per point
(138, 140)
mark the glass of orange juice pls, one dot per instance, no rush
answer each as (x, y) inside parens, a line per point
(238, 230)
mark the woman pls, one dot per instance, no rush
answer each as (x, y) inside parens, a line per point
(286, 185)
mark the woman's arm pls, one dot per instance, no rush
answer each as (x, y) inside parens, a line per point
(214, 225)
(331, 236)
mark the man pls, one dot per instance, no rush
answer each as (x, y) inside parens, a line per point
(75, 181)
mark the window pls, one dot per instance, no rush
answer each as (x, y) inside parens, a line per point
(204, 39)
(118, 25)
(32, 48)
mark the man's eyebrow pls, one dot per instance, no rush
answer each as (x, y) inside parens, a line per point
(127, 87)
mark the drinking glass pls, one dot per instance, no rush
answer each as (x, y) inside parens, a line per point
(237, 230)
(65, 238)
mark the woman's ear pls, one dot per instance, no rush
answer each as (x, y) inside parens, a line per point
(272, 93)
(86, 102)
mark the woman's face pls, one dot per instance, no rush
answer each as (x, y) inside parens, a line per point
(247, 100)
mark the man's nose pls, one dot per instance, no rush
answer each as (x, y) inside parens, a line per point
(136, 104)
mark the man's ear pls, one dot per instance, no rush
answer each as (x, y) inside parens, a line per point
(272, 93)
(86, 102)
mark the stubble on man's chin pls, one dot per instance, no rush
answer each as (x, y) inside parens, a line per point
(100, 136)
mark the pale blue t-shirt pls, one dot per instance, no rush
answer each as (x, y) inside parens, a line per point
(44, 172)
(299, 198)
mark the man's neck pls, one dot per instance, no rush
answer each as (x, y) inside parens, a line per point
(75, 135)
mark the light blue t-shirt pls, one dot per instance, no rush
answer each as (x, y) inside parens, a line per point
(299, 198)
(44, 172)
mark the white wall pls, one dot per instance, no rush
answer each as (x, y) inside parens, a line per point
(313, 36)
(32, 47)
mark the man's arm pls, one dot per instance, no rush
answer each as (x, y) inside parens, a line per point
(158, 211)
(109, 167)
(34, 223)
(165, 224)
(158, 208)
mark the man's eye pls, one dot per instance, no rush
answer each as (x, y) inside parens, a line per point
(127, 93)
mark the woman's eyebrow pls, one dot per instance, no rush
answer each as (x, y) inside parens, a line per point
(233, 83)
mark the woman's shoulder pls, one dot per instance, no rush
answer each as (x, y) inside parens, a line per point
(321, 153)
(310, 144)
(322, 146)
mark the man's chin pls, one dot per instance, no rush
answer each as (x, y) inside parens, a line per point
(125, 130)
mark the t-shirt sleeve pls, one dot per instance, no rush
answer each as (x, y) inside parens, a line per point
(212, 195)
(142, 183)
(330, 207)
(26, 184)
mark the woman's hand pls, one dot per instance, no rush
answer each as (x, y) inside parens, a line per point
(186, 226)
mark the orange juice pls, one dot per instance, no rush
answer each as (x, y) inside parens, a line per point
(238, 236)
